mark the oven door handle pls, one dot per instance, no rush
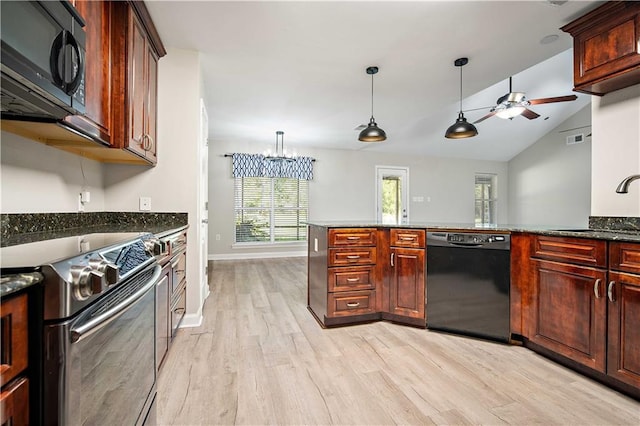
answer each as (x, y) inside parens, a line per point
(88, 328)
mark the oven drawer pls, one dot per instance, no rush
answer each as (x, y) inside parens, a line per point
(351, 303)
(342, 237)
(407, 238)
(351, 278)
(352, 256)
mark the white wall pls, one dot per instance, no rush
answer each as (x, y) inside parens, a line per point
(550, 182)
(39, 179)
(173, 183)
(616, 152)
(343, 189)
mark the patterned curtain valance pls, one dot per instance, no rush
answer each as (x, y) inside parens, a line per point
(257, 165)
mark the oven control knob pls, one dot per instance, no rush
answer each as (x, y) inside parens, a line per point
(86, 281)
(110, 271)
(153, 246)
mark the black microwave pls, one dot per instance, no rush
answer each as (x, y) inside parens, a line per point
(43, 59)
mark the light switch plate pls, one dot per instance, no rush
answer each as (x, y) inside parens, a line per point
(145, 204)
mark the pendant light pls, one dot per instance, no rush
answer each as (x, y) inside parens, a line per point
(372, 133)
(461, 128)
(280, 154)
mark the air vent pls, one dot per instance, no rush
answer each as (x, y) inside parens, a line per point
(575, 139)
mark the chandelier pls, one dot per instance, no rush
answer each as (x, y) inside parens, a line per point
(280, 153)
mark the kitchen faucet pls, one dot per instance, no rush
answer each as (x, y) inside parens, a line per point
(623, 188)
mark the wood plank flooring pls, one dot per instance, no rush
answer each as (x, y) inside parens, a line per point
(260, 358)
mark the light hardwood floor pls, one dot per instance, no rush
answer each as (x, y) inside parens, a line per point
(261, 358)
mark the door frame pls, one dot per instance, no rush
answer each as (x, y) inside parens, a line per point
(399, 171)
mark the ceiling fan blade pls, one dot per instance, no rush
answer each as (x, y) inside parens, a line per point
(491, 114)
(530, 114)
(551, 100)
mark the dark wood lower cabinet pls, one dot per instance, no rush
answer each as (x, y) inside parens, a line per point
(568, 311)
(407, 287)
(623, 357)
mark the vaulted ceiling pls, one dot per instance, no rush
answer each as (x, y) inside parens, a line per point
(300, 67)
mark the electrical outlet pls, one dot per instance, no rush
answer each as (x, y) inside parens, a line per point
(217, 237)
(80, 204)
(145, 204)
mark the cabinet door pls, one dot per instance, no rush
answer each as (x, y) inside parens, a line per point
(137, 88)
(407, 292)
(151, 108)
(623, 357)
(97, 118)
(14, 403)
(162, 316)
(568, 311)
(13, 337)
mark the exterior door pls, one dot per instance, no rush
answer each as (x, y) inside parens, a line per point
(392, 189)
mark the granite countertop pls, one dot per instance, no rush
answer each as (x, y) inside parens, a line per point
(613, 229)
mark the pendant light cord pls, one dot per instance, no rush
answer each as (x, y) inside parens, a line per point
(460, 89)
(371, 95)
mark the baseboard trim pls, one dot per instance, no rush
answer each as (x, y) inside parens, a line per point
(262, 255)
(192, 320)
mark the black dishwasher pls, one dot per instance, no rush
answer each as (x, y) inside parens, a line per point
(468, 276)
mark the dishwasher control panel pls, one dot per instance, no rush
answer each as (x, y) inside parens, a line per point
(470, 239)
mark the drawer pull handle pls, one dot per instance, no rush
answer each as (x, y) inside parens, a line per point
(353, 238)
(353, 304)
(353, 257)
(596, 288)
(353, 280)
(407, 238)
(610, 291)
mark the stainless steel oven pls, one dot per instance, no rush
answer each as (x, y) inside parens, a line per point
(98, 327)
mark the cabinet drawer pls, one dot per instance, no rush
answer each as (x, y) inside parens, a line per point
(351, 303)
(624, 257)
(408, 238)
(179, 271)
(579, 251)
(349, 279)
(352, 237)
(352, 256)
(14, 339)
(14, 403)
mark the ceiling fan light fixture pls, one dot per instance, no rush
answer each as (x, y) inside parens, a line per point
(372, 133)
(461, 129)
(509, 112)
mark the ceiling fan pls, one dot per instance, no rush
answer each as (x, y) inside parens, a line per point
(515, 103)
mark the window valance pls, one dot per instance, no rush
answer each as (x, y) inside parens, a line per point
(257, 165)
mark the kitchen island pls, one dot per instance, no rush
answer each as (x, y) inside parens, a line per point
(574, 294)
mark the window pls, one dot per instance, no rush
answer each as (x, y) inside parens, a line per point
(271, 210)
(486, 199)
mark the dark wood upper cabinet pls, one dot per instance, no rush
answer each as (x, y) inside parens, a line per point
(606, 48)
(97, 119)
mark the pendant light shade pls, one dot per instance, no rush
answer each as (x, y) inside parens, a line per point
(461, 128)
(372, 133)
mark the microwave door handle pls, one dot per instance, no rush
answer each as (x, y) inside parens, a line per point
(78, 67)
(54, 60)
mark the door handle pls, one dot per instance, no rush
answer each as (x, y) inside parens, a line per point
(610, 291)
(596, 288)
(392, 256)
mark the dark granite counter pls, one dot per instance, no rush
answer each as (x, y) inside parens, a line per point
(13, 283)
(613, 229)
(31, 227)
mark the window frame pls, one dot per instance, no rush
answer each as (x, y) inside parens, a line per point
(272, 207)
(491, 202)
